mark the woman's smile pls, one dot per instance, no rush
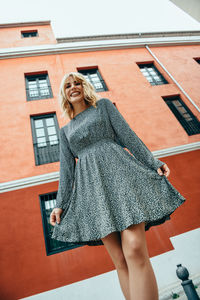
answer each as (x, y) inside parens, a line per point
(74, 90)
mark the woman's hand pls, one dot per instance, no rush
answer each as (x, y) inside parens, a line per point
(55, 216)
(164, 170)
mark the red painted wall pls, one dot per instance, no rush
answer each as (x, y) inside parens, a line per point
(27, 269)
(11, 37)
(139, 102)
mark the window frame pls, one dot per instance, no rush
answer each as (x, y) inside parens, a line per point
(158, 73)
(62, 246)
(190, 129)
(37, 77)
(29, 32)
(101, 80)
(197, 59)
(34, 137)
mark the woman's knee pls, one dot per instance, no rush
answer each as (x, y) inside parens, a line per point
(134, 244)
(120, 261)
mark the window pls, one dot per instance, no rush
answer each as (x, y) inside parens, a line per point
(94, 77)
(45, 138)
(152, 74)
(183, 114)
(47, 203)
(197, 60)
(30, 33)
(38, 87)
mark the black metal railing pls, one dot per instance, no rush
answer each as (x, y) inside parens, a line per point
(191, 125)
(46, 152)
(47, 204)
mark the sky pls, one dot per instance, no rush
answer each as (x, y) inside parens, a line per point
(92, 17)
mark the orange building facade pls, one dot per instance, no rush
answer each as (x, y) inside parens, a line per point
(154, 82)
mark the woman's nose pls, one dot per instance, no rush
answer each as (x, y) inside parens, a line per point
(72, 85)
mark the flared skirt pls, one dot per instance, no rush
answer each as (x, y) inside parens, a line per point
(113, 190)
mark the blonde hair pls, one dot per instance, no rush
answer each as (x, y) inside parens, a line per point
(90, 95)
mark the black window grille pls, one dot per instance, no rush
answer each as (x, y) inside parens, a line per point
(38, 87)
(27, 34)
(183, 114)
(94, 77)
(152, 74)
(47, 203)
(45, 134)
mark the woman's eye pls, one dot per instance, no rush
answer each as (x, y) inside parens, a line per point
(78, 83)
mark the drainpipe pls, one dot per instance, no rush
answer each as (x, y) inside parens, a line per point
(174, 80)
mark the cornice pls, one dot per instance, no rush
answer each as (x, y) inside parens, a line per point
(24, 24)
(97, 45)
(54, 176)
(176, 150)
(28, 182)
(129, 36)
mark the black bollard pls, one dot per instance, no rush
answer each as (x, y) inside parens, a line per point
(186, 283)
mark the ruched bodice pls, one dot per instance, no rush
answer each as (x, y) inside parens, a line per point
(83, 134)
(92, 148)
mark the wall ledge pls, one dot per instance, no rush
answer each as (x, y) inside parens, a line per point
(54, 176)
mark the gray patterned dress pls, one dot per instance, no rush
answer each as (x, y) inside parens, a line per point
(108, 189)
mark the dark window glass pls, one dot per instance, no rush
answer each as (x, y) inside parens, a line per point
(95, 78)
(183, 114)
(47, 203)
(38, 87)
(152, 74)
(27, 34)
(197, 60)
(45, 138)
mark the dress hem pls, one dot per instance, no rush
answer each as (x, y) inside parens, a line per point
(148, 224)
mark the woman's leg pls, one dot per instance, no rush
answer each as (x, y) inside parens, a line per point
(142, 281)
(112, 242)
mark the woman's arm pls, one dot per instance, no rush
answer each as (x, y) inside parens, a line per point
(67, 167)
(129, 138)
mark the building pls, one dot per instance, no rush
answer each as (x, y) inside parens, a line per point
(191, 7)
(153, 79)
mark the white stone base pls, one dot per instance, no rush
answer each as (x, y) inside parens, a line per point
(106, 286)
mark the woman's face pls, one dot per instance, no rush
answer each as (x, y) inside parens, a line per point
(74, 90)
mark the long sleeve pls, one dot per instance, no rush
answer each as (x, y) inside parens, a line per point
(129, 139)
(67, 167)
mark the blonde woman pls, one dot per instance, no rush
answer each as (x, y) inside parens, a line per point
(109, 196)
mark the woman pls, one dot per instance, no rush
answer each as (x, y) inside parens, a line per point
(109, 196)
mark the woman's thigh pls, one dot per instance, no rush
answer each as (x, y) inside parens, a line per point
(113, 245)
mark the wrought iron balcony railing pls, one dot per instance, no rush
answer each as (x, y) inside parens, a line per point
(46, 152)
